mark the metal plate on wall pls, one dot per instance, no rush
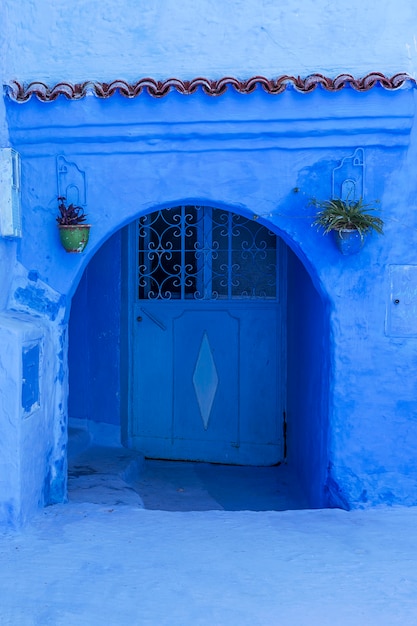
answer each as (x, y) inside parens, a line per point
(401, 318)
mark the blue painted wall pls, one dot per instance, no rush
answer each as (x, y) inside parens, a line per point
(8, 259)
(94, 338)
(247, 153)
(264, 155)
(308, 381)
(205, 37)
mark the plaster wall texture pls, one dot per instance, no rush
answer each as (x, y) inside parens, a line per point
(51, 41)
(33, 439)
(31, 475)
(7, 247)
(4, 73)
(255, 151)
(308, 378)
(264, 156)
(94, 332)
(8, 262)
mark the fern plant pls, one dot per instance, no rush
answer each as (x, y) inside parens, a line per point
(337, 214)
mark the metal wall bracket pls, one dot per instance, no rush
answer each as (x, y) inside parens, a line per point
(348, 178)
(71, 182)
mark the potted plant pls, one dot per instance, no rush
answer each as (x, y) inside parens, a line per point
(73, 232)
(350, 221)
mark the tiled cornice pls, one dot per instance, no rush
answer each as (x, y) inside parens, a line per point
(158, 89)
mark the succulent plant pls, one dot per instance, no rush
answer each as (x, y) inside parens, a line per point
(70, 215)
(337, 214)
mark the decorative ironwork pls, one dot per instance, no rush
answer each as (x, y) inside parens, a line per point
(158, 89)
(202, 253)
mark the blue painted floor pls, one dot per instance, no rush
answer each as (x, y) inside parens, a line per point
(113, 475)
(104, 558)
(179, 486)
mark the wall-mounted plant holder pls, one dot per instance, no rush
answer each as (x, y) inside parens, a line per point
(350, 222)
(348, 241)
(74, 238)
(345, 213)
(73, 232)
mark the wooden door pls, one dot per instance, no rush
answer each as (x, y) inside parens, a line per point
(206, 326)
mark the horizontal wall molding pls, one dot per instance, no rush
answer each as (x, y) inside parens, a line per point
(223, 135)
(22, 92)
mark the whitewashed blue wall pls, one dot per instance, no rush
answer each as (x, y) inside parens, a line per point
(52, 40)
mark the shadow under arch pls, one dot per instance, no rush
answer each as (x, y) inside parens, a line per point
(95, 351)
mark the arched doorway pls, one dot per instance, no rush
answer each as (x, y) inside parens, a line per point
(112, 295)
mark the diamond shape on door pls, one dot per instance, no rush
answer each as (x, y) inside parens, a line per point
(205, 380)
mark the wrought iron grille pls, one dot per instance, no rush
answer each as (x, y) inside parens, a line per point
(202, 253)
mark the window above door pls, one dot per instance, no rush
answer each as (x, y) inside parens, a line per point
(203, 253)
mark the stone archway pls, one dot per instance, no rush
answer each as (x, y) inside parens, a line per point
(97, 305)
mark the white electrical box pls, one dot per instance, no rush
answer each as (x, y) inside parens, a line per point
(10, 211)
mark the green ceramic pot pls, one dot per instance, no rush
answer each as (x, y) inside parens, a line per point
(74, 238)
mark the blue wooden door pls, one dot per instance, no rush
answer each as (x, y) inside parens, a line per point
(207, 348)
